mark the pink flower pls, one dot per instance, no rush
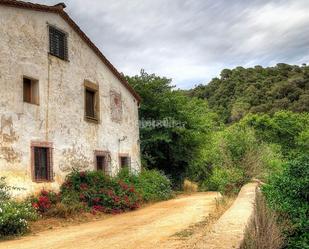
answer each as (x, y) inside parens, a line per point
(35, 205)
(84, 186)
(96, 200)
(98, 208)
(82, 196)
(116, 199)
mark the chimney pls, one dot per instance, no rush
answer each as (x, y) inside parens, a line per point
(60, 5)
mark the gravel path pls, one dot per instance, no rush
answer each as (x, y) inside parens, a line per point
(146, 228)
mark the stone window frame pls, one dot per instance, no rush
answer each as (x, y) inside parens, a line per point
(49, 146)
(107, 165)
(120, 155)
(90, 86)
(35, 101)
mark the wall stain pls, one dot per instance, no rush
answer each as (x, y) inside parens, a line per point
(7, 138)
(73, 158)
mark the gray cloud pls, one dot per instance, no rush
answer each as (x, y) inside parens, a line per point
(191, 41)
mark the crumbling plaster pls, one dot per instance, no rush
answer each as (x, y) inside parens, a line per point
(59, 117)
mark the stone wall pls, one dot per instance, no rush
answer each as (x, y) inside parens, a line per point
(59, 117)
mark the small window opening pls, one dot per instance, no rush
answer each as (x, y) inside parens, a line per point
(90, 104)
(31, 91)
(102, 159)
(42, 164)
(102, 163)
(124, 162)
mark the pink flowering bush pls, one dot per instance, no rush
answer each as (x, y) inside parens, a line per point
(45, 200)
(101, 193)
(51, 204)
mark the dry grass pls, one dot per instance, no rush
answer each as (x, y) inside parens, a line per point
(262, 231)
(189, 187)
(56, 222)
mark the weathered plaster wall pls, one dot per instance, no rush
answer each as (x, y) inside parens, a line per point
(59, 118)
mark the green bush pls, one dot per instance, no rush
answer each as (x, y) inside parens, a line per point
(152, 185)
(235, 156)
(100, 192)
(225, 180)
(4, 190)
(14, 217)
(285, 128)
(288, 194)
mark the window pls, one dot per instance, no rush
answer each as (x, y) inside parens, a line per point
(58, 43)
(102, 159)
(31, 91)
(91, 102)
(42, 161)
(125, 161)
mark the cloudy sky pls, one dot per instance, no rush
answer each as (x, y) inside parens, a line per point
(191, 41)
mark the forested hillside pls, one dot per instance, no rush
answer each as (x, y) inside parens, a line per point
(257, 90)
(249, 123)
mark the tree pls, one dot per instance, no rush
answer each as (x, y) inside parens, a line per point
(256, 90)
(174, 127)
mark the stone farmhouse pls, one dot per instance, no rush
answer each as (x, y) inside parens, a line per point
(63, 105)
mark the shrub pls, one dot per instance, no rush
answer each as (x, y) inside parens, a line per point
(235, 156)
(152, 185)
(4, 190)
(225, 180)
(287, 193)
(51, 204)
(14, 217)
(189, 187)
(63, 210)
(45, 200)
(284, 128)
(101, 193)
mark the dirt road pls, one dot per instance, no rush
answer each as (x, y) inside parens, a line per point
(146, 228)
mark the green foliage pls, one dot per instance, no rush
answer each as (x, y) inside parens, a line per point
(99, 192)
(152, 185)
(257, 90)
(288, 194)
(174, 146)
(225, 180)
(236, 156)
(287, 129)
(14, 217)
(4, 190)
(302, 141)
(51, 204)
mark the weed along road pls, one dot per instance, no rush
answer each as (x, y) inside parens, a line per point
(146, 228)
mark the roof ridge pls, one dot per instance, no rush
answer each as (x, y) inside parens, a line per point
(59, 9)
